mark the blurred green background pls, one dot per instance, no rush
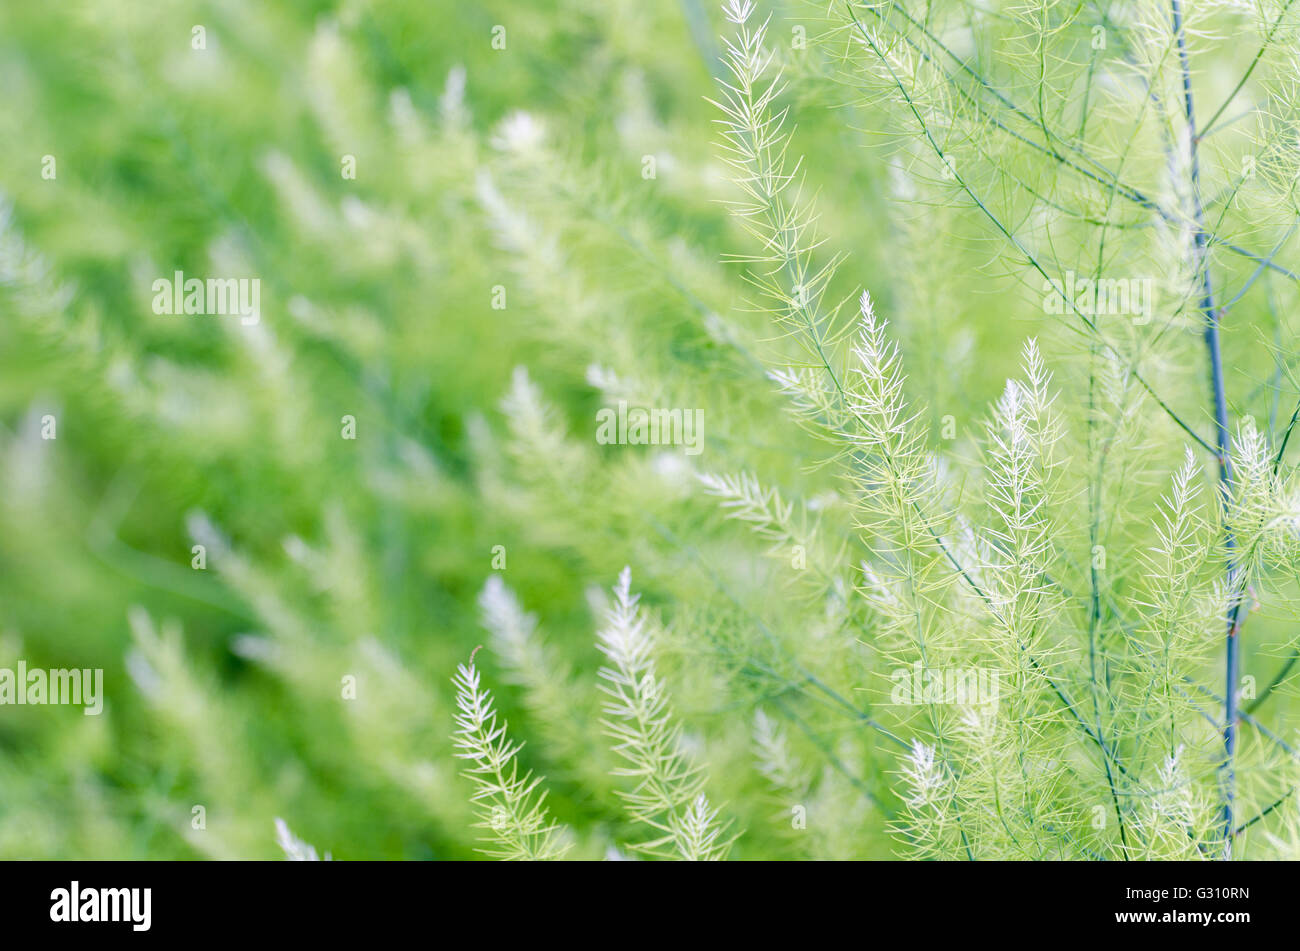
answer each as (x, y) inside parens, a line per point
(325, 557)
(478, 171)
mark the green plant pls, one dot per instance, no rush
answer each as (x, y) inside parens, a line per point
(952, 461)
(1042, 553)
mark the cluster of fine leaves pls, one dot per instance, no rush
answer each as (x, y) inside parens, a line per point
(988, 545)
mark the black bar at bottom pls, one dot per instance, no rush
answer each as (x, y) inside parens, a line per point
(329, 901)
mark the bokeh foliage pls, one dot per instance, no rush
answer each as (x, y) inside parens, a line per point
(329, 557)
